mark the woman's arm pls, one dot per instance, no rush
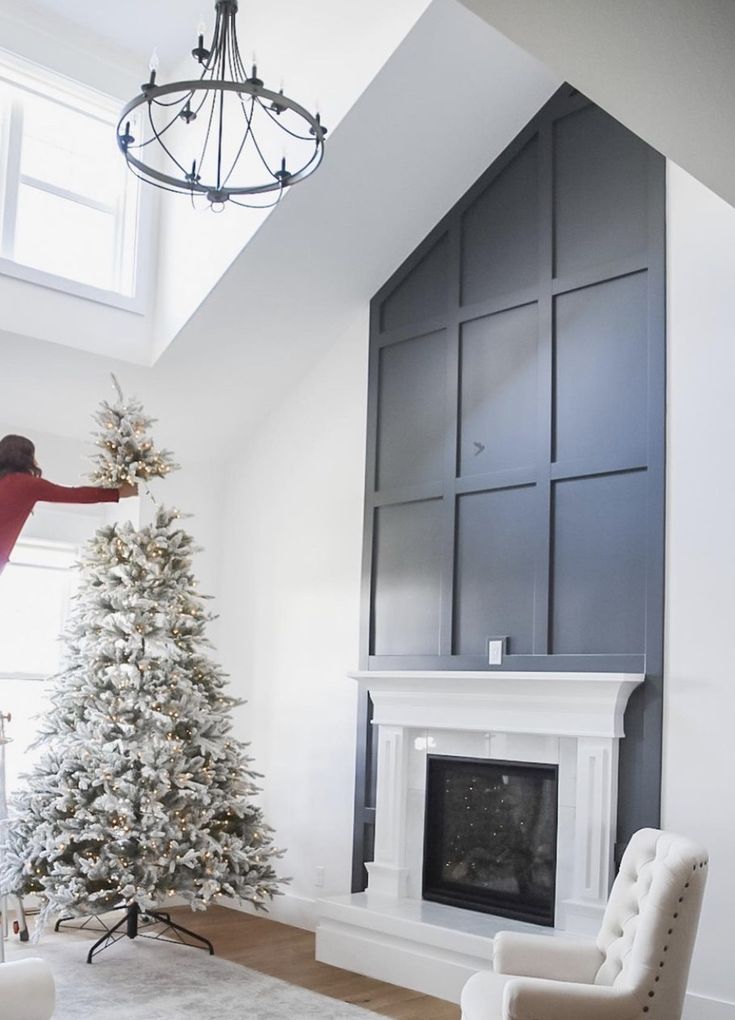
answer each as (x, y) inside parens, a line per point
(46, 492)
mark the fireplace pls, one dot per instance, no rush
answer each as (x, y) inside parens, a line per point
(557, 733)
(490, 835)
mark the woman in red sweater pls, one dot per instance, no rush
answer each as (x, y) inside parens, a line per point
(21, 487)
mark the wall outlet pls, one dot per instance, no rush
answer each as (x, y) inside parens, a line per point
(496, 650)
(319, 877)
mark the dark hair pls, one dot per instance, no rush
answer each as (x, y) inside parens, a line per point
(18, 456)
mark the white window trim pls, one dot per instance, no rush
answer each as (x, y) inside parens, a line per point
(36, 79)
(70, 550)
(36, 678)
(137, 304)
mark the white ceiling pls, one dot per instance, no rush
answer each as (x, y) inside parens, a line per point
(137, 25)
(284, 36)
(664, 68)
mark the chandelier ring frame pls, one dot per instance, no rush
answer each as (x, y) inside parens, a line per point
(255, 91)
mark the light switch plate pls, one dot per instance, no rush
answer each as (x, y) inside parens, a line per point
(496, 650)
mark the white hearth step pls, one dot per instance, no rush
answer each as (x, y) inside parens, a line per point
(425, 946)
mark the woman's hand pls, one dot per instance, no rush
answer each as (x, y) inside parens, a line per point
(126, 489)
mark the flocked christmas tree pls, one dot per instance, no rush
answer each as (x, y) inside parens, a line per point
(141, 792)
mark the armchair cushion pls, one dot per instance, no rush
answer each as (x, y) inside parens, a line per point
(26, 989)
(539, 999)
(491, 996)
(482, 996)
(546, 956)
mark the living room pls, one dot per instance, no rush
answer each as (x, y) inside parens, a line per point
(451, 417)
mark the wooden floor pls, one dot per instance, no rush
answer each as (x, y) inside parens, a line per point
(288, 953)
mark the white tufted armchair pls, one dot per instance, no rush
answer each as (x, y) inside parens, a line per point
(636, 968)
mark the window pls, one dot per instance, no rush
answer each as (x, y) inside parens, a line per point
(35, 589)
(69, 205)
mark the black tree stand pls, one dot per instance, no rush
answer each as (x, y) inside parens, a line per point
(133, 924)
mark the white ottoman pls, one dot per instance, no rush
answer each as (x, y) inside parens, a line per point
(26, 990)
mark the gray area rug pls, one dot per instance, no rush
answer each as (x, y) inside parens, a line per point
(145, 980)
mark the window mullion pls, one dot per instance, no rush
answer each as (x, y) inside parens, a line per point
(119, 242)
(14, 140)
(70, 196)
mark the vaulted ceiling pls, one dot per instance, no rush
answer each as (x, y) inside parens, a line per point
(664, 68)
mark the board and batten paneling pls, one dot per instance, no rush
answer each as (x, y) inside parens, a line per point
(515, 469)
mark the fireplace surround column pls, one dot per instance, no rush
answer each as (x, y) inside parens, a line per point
(387, 873)
(594, 835)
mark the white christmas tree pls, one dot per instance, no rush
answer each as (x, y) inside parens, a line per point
(127, 452)
(141, 792)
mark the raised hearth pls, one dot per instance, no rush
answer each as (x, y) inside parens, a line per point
(572, 721)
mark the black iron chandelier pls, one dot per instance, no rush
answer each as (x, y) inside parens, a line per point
(224, 135)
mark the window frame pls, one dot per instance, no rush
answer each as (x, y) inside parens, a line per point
(70, 552)
(133, 227)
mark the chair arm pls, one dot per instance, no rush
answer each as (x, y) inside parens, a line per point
(27, 989)
(535, 999)
(546, 956)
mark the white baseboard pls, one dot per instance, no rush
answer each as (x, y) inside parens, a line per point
(298, 911)
(702, 1007)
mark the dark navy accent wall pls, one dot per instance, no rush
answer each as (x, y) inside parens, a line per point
(515, 469)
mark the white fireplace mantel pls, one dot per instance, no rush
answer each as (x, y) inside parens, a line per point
(571, 719)
(559, 704)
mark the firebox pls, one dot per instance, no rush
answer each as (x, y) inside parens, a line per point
(490, 836)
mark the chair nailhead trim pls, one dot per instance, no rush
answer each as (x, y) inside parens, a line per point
(651, 994)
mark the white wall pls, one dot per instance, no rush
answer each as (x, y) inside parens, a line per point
(290, 604)
(699, 748)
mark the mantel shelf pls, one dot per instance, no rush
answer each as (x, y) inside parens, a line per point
(553, 703)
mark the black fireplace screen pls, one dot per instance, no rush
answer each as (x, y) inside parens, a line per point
(490, 836)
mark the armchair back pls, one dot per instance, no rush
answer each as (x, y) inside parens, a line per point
(648, 931)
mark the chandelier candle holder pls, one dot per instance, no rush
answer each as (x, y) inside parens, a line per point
(223, 135)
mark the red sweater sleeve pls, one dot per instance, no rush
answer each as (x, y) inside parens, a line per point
(46, 492)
